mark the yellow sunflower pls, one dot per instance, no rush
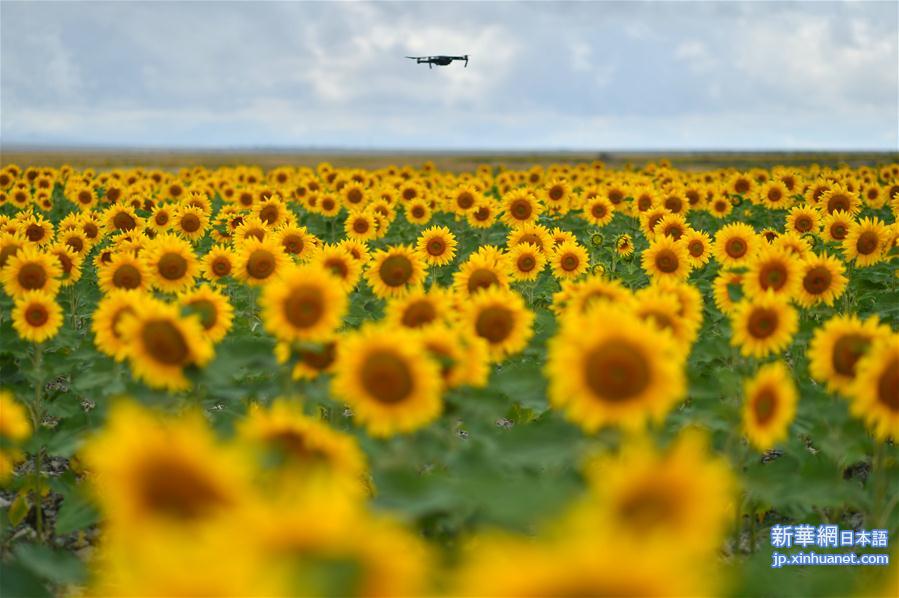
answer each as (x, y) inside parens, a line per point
(437, 245)
(105, 320)
(360, 225)
(772, 270)
(338, 260)
(212, 307)
(763, 324)
(672, 225)
(161, 343)
(259, 261)
(483, 215)
(305, 303)
(804, 219)
(838, 345)
(36, 316)
(15, 428)
(661, 308)
(866, 242)
(580, 296)
(666, 258)
(218, 263)
(875, 391)
(69, 261)
(500, 317)
(420, 308)
(624, 245)
(839, 199)
(297, 242)
(599, 211)
(535, 234)
(699, 247)
(31, 269)
(569, 260)
(190, 222)
(418, 212)
(463, 357)
(608, 367)
(387, 379)
(735, 244)
(527, 261)
(823, 280)
(836, 226)
(124, 271)
(395, 271)
(520, 207)
(769, 405)
(171, 263)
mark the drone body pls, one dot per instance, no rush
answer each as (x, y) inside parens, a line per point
(438, 60)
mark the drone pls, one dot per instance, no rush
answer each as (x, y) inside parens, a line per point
(438, 60)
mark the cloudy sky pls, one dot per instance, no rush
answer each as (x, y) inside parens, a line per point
(584, 75)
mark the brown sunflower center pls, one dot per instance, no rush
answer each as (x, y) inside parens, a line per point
(190, 223)
(775, 195)
(360, 226)
(803, 224)
(465, 200)
(161, 218)
(888, 386)
(221, 266)
(75, 243)
(32, 277)
(762, 322)
(599, 210)
(173, 488)
(207, 311)
(482, 278)
(296, 444)
(396, 270)
(126, 276)
(36, 315)
(123, 221)
(674, 204)
(261, 264)
(838, 201)
(556, 192)
(526, 263)
(320, 359)
(773, 275)
(839, 231)
(696, 248)
(666, 261)
(741, 186)
(482, 214)
(644, 203)
(34, 232)
(387, 377)
(847, 350)
(495, 323)
(436, 247)
(570, 262)
(867, 243)
(736, 248)
(764, 406)
(647, 508)
(304, 306)
(338, 267)
(65, 262)
(419, 313)
(85, 197)
(418, 212)
(269, 214)
(293, 244)
(354, 195)
(164, 342)
(616, 371)
(817, 280)
(521, 209)
(172, 266)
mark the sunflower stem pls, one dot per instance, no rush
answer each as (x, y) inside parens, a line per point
(37, 415)
(878, 513)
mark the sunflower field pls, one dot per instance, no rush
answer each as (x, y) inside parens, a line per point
(549, 381)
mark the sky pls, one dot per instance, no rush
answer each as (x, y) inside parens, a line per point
(549, 76)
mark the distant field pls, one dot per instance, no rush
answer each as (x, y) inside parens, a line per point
(447, 161)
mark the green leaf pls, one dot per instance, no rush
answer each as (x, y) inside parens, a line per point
(19, 508)
(16, 581)
(76, 513)
(56, 566)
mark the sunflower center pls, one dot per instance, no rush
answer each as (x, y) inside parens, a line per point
(396, 270)
(32, 277)
(65, 262)
(161, 218)
(674, 231)
(736, 248)
(419, 313)
(647, 509)
(817, 280)
(221, 266)
(803, 224)
(696, 248)
(741, 186)
(261, 264)
(321, 359)
(521, 209)
(616, 371)
(775, 195)
(34, 233)
(293, 244)
(598, 211)
(190, 223)
(123, 221)
(295, 444)
(36, 315)
(839, 231)
(762, 322)
(207, 312)
(867, 242)
(644, 203)
(338, 267)
(570, 262)
(773, 275)
(164, 342)
(173, 488)
(838, 202)
(354, 195)
(526, 263)
(495, 323)
(465, 200)
(482, 278)
(126, 277)
(764, 406)
(172, 266)
(556, 192)
(674, 205)
(85, 197)
(888, 386)
(269, 214)
(75, 243)
(436, 247)
(304, 306)
(482, 214)
(666, 261)
(360, 225)
(386, 377)
(847, 351)
(418, 212)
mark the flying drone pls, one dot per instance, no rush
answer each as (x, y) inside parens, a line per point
(438, 60)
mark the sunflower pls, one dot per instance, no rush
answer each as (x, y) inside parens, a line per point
(580, 296)
(338, 260)
(171, 263)
(689, 299)
(698, 245)
(569, 260)
(773, 270)
(735, 244)
(655, 305)
(774, 195)
(769, 405)
(296, 241)
(437, 245)
(720, 207)
(500, 317)
(822, 279)
(420, 309)
(306, 303)
(840, 199)
(76, 241)
(836, 226)
(672, 225)
(520, 207)
(190, 222)
(481, 271)
(37, 230)
(763, 324)
(418, 212)
(464, 199)
(803, 219)
(875, 391)
(866, 242)
(259, 261)
(798, 246)
(161, 343)
(599, 211)
(608, 367)
(15, 428)
(212, 307)
(741, 184)
(309, 359)
(357, 250)
(106, 318)
(462, 356)
(395, 271)
(328, 205)
(30, 269)
(273, 212)
(360, 225)
(218, 263)
(483, 215)
(838, 345)
(386, 378)
(123, 271)
(36, 316)
(121, 219)
(161, 219)
(527, 262)
(534, 234)
(69, 261)
(666, 258)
